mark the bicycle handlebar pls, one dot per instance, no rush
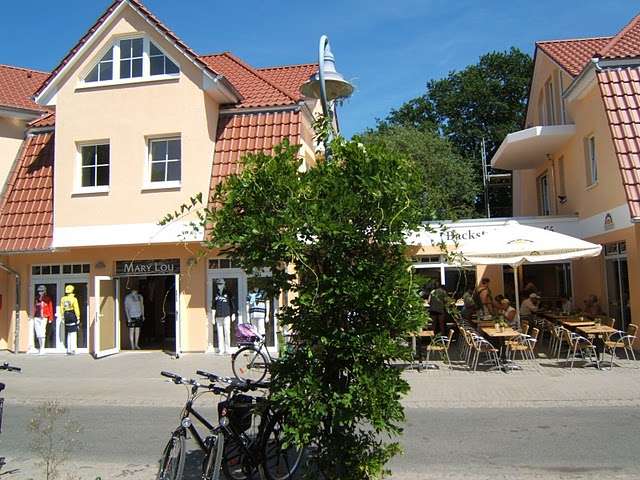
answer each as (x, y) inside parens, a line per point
(10, 368)
(234, 383)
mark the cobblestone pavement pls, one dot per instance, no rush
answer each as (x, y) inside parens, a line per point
(131, 379)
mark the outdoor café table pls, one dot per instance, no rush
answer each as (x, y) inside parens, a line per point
(599, 331)
(577, 323)
(414, 344)
(501, 335)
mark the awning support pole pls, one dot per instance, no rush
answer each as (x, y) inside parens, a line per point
(516, 288)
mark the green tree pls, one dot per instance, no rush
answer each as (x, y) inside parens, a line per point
(485, 100)
(340, 227)
(450, 183)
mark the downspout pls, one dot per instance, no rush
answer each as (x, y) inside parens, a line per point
(16, 340)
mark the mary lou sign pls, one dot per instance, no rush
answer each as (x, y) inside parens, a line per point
(148, 267)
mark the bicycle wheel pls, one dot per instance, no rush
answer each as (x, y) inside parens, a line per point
(213, 462)
(172, 461)
(279, 462)
(233, 461)
(249, 364)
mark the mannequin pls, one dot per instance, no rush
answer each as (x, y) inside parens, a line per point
(42, 314)
(221, 312)
(134, 310)
(71, 314)
(257, 309)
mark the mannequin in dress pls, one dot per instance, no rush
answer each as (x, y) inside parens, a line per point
(134, 310)
(42, 314)
(257, 306)
(221, 312)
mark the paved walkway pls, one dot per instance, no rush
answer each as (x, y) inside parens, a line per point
(132, 378)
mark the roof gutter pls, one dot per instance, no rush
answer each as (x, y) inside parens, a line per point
(16, 338)
(584, 79)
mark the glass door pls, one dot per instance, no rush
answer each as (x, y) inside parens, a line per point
(618, 290)
(106, 325)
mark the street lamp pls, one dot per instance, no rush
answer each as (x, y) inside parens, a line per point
(327, 85)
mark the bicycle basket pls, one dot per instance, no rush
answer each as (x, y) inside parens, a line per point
(246, 333)
(239, 411)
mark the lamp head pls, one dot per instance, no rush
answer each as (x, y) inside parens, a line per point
(335, 85)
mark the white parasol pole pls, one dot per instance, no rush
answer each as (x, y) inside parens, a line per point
(515, 282)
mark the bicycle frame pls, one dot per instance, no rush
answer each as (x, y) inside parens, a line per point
(186, 413)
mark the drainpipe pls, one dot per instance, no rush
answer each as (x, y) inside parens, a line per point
(16, 340)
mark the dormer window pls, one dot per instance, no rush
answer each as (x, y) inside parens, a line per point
(160, 63)
(103, 71)
(130, 60)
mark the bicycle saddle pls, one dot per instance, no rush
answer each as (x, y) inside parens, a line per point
(1, 386)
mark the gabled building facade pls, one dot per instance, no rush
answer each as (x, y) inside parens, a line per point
(578, 157)
(129, 126)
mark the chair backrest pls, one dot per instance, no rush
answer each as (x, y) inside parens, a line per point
(534, 334)
(632, 329)
(525, 328)
(450, 337)
(608, 322)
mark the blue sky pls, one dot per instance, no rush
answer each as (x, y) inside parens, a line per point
(388, 49)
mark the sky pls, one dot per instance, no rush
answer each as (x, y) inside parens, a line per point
(388, 49)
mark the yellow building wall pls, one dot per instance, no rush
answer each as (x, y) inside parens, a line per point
(11, 136)
(193, 280)
(126, 115)
(581, 199)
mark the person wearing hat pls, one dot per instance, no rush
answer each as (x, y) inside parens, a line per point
(530, 305)
(221, 312)
(71, 315)
(42, 315)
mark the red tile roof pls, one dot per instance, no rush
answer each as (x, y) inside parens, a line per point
(26, 215)
(620, 90)
(573, 55)
(626, 44)
(290, 77)
(17, 86)
(242, 133)
(256, 88)
(149, 16)
(47, 120)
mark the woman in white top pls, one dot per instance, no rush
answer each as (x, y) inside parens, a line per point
(510, 314)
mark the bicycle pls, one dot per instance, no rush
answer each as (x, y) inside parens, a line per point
(251, 362)
(9, 368)
(252, 436)
(173, 456)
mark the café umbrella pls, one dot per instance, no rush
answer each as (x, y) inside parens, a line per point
(515, 244)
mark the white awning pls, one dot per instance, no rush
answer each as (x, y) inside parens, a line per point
(529, 148)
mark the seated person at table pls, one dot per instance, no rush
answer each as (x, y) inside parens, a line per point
(530, 305)
(529, 288)
(510, 314)
(565, 305)
(592, 307)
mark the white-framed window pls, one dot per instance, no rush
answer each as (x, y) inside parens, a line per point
(165, 161)
(132, 59)
(550, 103)
(94, 166)
(131, 56)
(160, 64)
(103, 71)
(591, 160)
(544, 205)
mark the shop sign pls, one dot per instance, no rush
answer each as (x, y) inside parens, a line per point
(148, 267)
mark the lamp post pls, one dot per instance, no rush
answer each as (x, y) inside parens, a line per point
(327, 85)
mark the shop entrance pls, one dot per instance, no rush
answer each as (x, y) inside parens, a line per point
(148, 312)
